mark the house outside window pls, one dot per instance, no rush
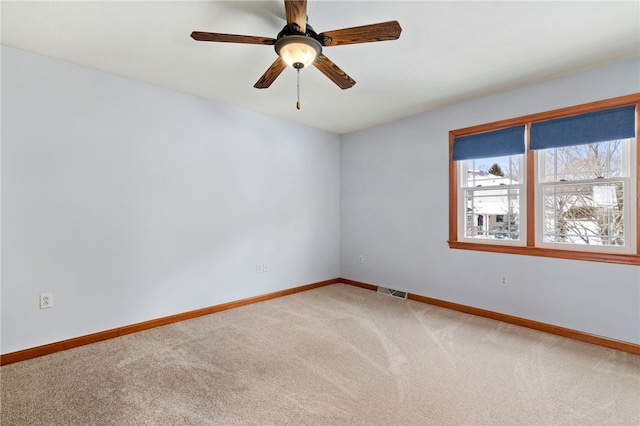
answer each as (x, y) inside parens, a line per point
(492, 201)
(556, 184)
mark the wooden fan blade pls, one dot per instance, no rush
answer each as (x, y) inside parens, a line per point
(335, 74)
(365, 34)
(232, 38)
(296, 11)
(271, 74)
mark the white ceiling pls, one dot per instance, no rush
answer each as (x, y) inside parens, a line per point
(449, 51)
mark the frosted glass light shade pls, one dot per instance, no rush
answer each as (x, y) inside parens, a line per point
(298, 49)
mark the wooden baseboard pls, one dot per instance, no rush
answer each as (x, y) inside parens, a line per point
(133, 328)
(522, 322)
(359, 284)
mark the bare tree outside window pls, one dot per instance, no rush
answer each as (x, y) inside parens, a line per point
(583, 193)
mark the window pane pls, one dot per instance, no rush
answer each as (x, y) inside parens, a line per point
(583, 162)
(582, 213)
(492, 213)
(494, 171)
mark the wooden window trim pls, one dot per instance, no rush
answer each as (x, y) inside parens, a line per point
(530, 248)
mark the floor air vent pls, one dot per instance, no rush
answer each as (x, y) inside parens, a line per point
(393, 293)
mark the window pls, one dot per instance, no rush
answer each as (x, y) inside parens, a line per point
(582, 194)
(491, 191)
(557, 184)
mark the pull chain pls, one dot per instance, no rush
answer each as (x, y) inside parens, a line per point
(298, 66)
(298, 98)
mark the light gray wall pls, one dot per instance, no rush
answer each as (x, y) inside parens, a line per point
(394, 212)
(130, 202)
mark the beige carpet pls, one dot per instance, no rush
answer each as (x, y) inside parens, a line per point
(337, 355)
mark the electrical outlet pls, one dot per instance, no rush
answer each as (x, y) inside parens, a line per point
(46, 300)
(259, 267)
(503, 281)
(265, 267)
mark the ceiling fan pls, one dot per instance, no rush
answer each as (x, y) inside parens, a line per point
(299, 46)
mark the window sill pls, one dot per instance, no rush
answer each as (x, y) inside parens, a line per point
(626, 259)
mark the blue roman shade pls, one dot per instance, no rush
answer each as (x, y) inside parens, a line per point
(497, 143)
(582, 129)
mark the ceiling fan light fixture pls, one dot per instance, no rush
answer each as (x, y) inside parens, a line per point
(298, 49)
(298, 45)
